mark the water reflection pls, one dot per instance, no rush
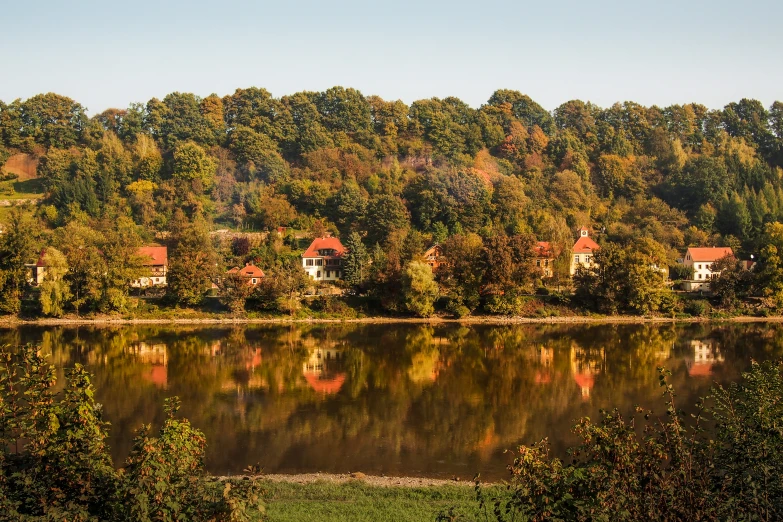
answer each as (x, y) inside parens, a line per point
(397, 399)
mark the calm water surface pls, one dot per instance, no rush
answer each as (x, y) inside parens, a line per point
(415, 400)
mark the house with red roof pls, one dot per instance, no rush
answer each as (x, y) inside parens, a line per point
(583, 251)
(701, 260)
(434, 257)
(323, 259)
(156, 262)
(544, 258)
(36, 271)
(251, 272)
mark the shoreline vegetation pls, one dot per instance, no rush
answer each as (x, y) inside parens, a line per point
(490, 320)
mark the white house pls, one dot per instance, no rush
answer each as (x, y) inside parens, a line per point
(583, 251)
(323, 260)
(701, 260)
(156, 263)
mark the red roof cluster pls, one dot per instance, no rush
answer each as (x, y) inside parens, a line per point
(324, 243)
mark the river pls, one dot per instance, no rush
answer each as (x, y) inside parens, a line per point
(395, 399)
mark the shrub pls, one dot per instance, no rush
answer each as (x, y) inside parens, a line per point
(697, 308)
(726, 463)
(55, 464)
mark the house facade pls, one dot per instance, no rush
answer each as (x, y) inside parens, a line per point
(701, 260)
(583, 251)
(156, 262)
(434, 257)
(251, 272)
(323, 259)
(544, 258)
(36, 271)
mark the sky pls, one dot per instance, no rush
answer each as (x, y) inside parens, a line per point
(107, 54)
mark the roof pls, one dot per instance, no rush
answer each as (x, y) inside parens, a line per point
(325, 386)
(585, 245)
(324, 243)
(41, 258)
(434, 250)
(156, 255)
(251, 270)
(709, 253)
(543, 249)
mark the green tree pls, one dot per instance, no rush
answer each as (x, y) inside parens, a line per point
(54, 290)
(355, 261)
(192, 264)
(193, 169)
(419, 289)
(385, 214)
(17, 247)
(622, 280)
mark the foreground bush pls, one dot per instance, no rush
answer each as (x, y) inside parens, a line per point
(723, 463)
(55, 464)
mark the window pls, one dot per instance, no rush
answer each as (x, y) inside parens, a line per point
(538, 263)
(309, 262)
(328, 273)
(698, 267)
(699, 277)
(253, 280)
(576, 259)
(587, 259)
(318, 274)
(319, 262)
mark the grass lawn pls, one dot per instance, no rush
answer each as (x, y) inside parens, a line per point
(357, 501)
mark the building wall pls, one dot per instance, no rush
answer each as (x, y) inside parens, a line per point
(545, 265)
(323, 268)
(155, 277)
(701, 270)
(577, 260)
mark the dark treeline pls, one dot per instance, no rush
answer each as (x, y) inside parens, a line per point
(479, 181)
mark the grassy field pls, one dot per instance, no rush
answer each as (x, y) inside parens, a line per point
(357, 501)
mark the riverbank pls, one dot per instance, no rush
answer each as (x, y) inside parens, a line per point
(481, 319)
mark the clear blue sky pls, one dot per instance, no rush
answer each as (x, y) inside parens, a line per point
(109, 54)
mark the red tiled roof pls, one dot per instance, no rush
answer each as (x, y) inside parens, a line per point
(41, 258)
(709, 253)
(324, 243)
(325, 386)
(700, 370)
(154, 255)
(251, 270)
(584, 380)
(543, 249)
(585, 245)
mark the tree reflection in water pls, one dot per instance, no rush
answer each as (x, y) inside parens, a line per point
(397, 399)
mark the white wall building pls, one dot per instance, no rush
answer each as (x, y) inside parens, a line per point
(323, 260)
(701, 260)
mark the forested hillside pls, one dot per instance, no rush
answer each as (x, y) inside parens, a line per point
(646, 178)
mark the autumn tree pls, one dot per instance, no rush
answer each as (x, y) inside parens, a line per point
(192, 263)
(54, 290)
(419, 289)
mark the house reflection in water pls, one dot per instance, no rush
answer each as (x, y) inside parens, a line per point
(702, 356)
(546, 356)
(319, 370)
(585, 365)
(154, 355)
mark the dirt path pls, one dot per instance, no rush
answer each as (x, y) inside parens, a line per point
(372, 480)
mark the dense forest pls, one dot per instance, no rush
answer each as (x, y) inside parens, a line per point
(389, 179)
